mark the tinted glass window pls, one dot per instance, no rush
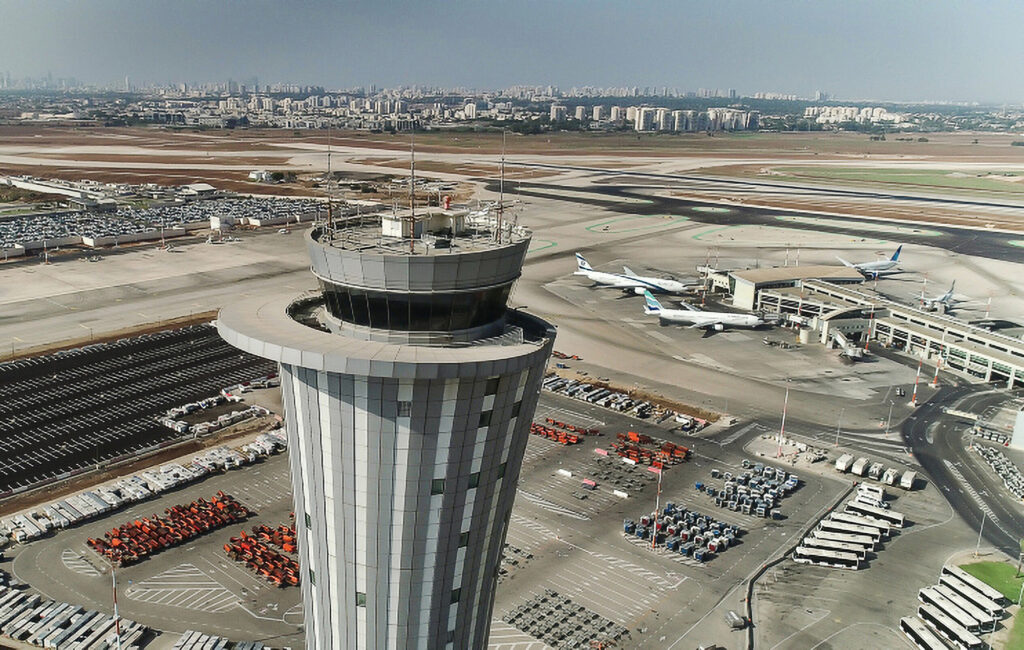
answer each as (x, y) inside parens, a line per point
(378, 303)
(438, 312)
(360, 313)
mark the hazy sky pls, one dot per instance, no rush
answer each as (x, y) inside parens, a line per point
(891, 49)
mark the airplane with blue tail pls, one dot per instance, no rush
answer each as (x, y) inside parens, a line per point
(695, 318)
(628, 280)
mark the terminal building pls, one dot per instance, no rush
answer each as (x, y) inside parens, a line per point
(408, 388)
(822, 300)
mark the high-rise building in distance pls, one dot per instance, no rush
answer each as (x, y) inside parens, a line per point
(408, 389)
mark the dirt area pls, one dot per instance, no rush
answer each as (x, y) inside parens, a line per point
(861, 209)
(960, 145)
(48, 493)
(100, 337)
(453, 168)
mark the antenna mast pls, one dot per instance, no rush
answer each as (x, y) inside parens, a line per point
(501, 188)
(412, 192)
(330, 198)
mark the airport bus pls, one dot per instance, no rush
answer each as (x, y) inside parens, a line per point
(931, 596)
(987, 620)
(821, 557)
(861, 540)
(989, 606)
(894, 519)
(841, 527)
(982, 588)
(859, 520)
(920, 635)
(830, 545)
(947, 627)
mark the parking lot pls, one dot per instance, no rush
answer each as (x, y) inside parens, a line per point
(67, 412)
(576, 547)
(130, 220)
(192, 586)
(556, 541)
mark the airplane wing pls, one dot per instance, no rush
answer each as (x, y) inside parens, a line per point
(705, 323)
(628, 271)
(845, 263)
(687, 306)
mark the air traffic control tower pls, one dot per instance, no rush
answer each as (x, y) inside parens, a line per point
(408, 390)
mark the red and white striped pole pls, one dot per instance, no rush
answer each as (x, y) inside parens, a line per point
(935, 379)
(657, 511)
(913, 400)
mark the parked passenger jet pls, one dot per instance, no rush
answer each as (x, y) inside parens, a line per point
(627, 281)
(695, 318)
(945, 301)
(873, 269)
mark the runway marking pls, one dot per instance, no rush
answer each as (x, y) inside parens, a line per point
(185, 586)
(75, 562)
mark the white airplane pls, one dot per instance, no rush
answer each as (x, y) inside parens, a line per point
(945, 301)
(627, 281)
(873, 269)
(695, 318)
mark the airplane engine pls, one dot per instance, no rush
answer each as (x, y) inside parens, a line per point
(639, 290)
(719, 327)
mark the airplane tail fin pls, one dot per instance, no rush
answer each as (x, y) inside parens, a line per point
(896, 256)
(628, 271)
(582, 264)
(652, 304)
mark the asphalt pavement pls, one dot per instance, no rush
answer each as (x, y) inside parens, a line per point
(938, 443)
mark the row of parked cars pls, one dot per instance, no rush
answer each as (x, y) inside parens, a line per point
(131, 220)
(1004, 468)
(599, 395)
(235, 209)
(74, 509)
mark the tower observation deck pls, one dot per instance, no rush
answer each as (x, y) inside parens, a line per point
(408, 388)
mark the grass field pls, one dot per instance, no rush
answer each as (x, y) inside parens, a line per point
(943, 179)
(1002, 576)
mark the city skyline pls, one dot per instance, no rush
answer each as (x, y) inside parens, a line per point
(911, 51)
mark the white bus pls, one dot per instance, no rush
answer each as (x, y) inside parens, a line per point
(821, 557)
(987, 620)
(860, 540)
(841, 527)
(931, 596)
(920, 635)
(947, 627)
(974, 583)
(860, 520)
(876, 492)
(829, 545)
(894, 519)
(991, 607)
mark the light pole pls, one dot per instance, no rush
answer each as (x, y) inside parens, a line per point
(977, 548)
(888, 420)
(839, 424)
(782, 428)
